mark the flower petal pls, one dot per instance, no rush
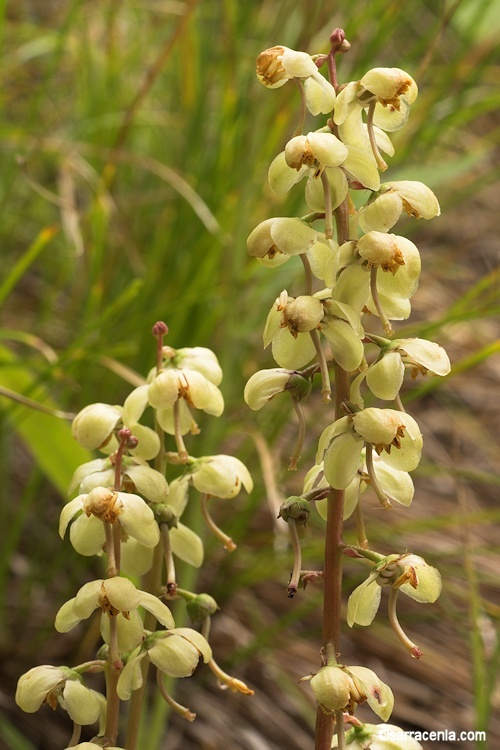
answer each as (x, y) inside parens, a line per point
(342, 460)
(282, 177)
(186, 545)
(157, 608)
(363, 603)
(66, 618)
(135, 404)
(130, 678)
(87, 535)
(148, 482)
(292, 353)
(81, 703)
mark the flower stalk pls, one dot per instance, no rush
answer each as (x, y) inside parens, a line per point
(361, 269)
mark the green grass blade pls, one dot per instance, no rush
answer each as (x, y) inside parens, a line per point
(22, 265)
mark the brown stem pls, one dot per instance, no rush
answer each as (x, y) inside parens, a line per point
(332, 573)
(152, 583)
(332, 570)
(339, 44)
(111, 569)
(112, 673)
(160, 329)
(342, 222)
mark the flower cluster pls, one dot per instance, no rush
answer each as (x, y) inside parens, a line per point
(358, 274)
(125, 510)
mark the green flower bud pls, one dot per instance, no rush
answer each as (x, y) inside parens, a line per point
(166, 514)
(295, 507)
(201, 606)
(298, 386)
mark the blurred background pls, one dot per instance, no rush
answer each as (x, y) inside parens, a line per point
(135, 141)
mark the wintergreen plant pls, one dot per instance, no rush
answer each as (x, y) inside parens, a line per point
(357, 274)
(126, 511)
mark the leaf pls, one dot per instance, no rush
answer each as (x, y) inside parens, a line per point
(48, 438)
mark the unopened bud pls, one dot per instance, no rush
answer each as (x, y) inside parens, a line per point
(201, 607)
(159, 329)
(295, 507)
(166, 514)
(298, 387)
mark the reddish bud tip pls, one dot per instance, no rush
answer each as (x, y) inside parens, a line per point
(351, 552)
(337, 37)
(159, 329)
(124, 434)
(132, 442)
(320, 60)
(416, 653)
